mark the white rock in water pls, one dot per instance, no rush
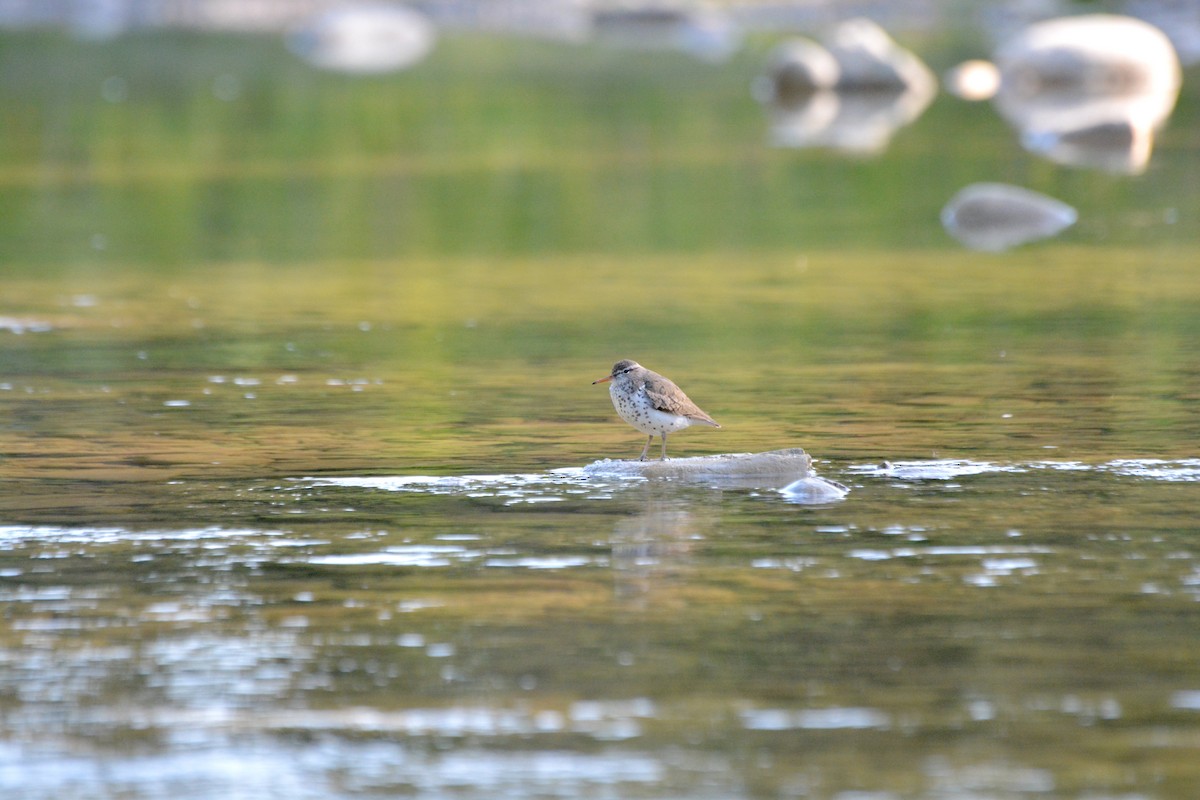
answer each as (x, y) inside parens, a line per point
(996, 216)
(852, 93)
(868, 58)
(1091, 56)
(813, 490)
(795, 69)
(1085, 91)
(367, 38)
(792, 463)
(790, 471)
(856, 56)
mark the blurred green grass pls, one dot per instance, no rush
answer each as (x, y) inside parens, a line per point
(160, 151)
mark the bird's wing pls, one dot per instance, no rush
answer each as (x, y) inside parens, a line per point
(666, 396)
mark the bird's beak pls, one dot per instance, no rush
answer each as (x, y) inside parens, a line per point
(605, 379)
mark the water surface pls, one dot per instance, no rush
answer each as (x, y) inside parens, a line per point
(297, 388)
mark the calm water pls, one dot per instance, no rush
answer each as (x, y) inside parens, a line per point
(296, 389)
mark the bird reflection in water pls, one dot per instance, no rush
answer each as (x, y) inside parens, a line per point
(651, 548)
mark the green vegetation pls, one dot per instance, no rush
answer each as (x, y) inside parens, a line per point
(182, 150)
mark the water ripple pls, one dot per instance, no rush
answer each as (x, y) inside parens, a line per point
(943, 469)
(774, 719)
(947, 550)
(20, 326)
(950, 469)
(447, 555)
(603, 720)
(599, 481)
(13, 535)
(538, 487)
(1183, 470)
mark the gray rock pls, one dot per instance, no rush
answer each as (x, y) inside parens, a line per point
(996, 216)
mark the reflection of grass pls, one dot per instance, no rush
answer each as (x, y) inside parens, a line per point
(422, 274)
(469, 364)
(490, 147)
(480, 237)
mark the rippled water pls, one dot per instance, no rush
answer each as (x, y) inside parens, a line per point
(501, 635)
(295, 499)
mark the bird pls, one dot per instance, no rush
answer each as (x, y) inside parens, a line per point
(651, 403)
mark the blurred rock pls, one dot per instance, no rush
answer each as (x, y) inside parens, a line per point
(852, 93)
(868, 59)
(363, 38)
(1088, 91)
(1178, 19)
(795, 70)
(995, 216)
(706, 33)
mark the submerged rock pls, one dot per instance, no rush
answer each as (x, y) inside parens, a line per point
(996, 216)
(789, 471)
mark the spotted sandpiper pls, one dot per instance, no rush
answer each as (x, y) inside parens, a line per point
(651, 403)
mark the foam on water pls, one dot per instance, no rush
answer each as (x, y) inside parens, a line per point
(774, 719)
(1187, 700)
(539, 487)
(1168, 470)
(867, 554)
(1182, 470)
(400, 556)
(447, 555)
(20, 326)
(328, 768)
(944, 469)
(788, 472)
(544, 562)
(601, 719)
(12, 535)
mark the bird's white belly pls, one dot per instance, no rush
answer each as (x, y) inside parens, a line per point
(637, 410)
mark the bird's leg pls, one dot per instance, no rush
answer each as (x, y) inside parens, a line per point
(646, 449)
(664, 453)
